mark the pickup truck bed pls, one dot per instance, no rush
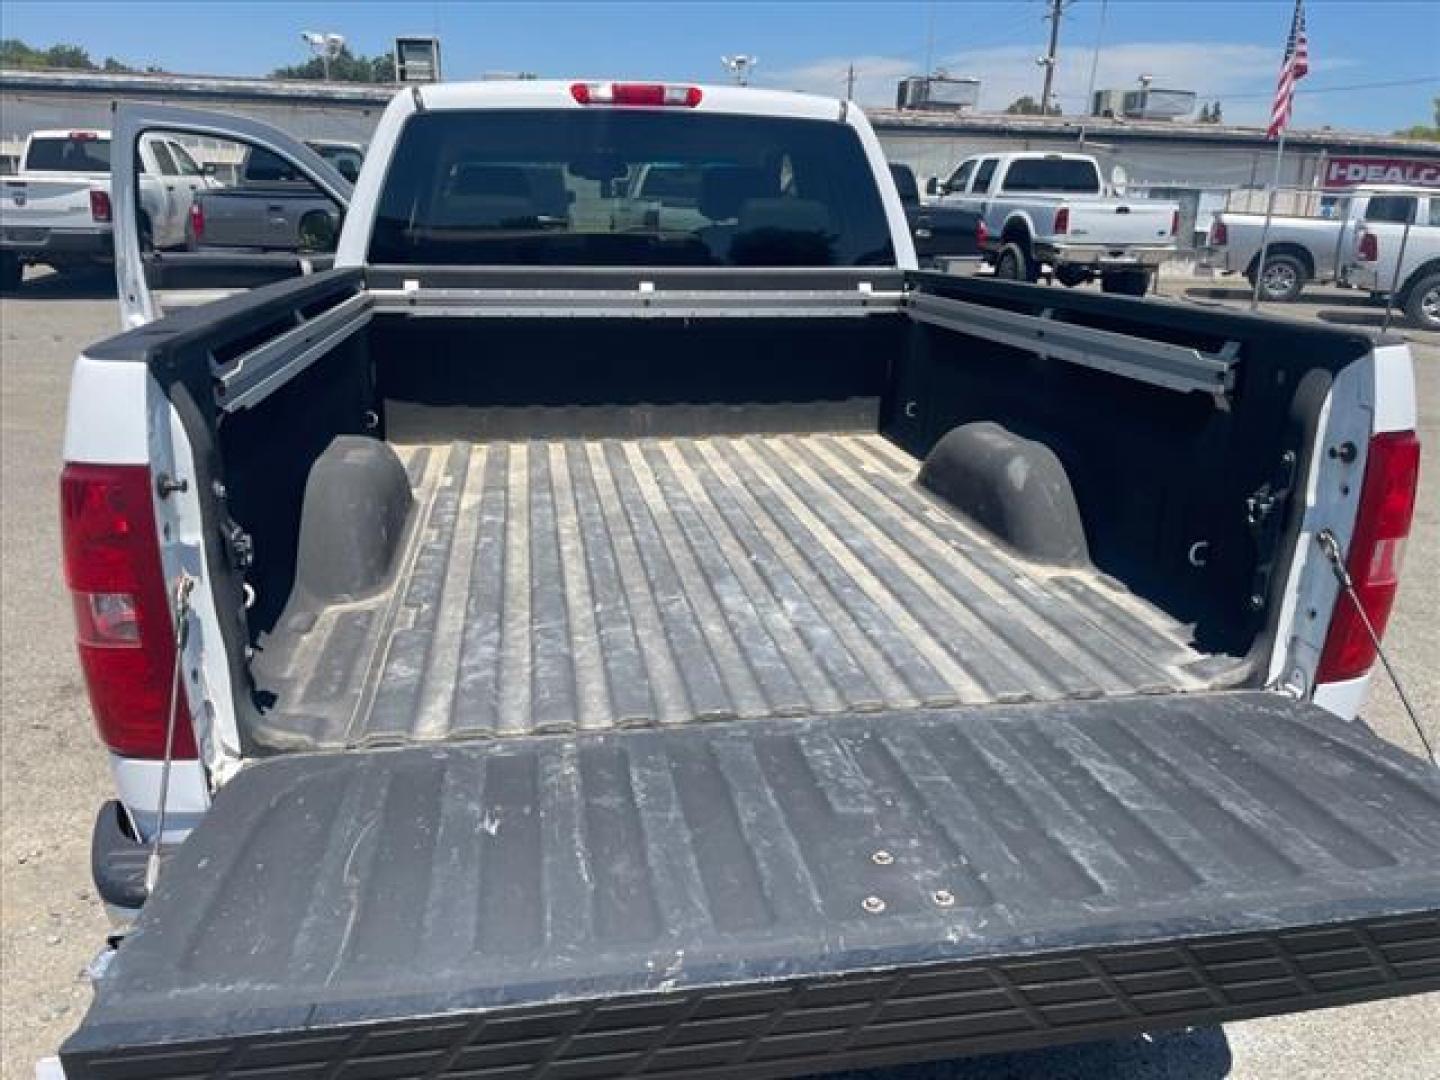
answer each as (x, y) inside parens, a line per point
(779, 897)
(600, 583)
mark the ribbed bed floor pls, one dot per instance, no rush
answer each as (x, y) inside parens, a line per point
(589, 584)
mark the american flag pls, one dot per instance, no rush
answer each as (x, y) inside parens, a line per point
(1297, 63)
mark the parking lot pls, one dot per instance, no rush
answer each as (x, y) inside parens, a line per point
(54, 771)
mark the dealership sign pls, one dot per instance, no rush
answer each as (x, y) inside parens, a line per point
(1341, 172)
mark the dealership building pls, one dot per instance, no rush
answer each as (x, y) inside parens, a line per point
(1204, 167)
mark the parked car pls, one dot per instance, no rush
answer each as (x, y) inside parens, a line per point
(1301, 250)
(1397, 251)
(940, 232)
(1039, 210)
(347, 157)
(534, 646)
(271, 207)
(56, 211)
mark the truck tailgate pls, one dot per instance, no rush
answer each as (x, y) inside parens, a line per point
(1120, 222)
(46, 204)
(779, 897)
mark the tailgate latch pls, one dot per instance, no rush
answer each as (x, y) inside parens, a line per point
(1264, 513)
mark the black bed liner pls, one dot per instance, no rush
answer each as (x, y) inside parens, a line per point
(779, 896)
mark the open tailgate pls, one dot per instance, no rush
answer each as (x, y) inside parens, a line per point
(779, 897)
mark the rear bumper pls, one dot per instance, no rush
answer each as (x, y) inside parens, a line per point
(1099, 257)
(68, 245)
(778, 898)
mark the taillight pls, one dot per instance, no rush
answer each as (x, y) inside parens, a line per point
(1377, 548)
(197, 220)
(123, 625)
(99, 205)
(1369, 247)
(1174, 222)
(1219, 233)
(982, 232)
(1062, 220)
(653, 94)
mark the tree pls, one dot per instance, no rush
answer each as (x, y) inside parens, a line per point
(345, 67)
(1216, 117)
(1424, 131)
(1028, 106)
(14, 53)
(1205, 115)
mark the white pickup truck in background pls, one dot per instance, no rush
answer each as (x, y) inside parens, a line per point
(1301, 249)
(56, 210)
(1041, 209)
(1398, 255)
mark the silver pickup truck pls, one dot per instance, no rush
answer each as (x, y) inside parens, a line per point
(271, 208)
(1300, 250)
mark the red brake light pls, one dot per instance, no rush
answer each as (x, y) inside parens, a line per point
(651, 94)
(1382, 523)
(1062, 220)
(1219, 233)
(1174, 222)
(1369, 247)
(99, 205)
(197, 220)
(83, 136)
(124, 629)
(982, 232)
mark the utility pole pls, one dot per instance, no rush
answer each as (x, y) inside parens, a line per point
(1049, 59)
(850, 84)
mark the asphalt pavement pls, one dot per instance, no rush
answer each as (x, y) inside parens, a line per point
(53, 773)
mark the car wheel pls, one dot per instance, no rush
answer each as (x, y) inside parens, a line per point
(11, 271)
(1126, 282)
(1283, 280)
(1013, 264)
(1422, 306)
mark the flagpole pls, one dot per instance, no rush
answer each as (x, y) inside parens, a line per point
(1269, 213)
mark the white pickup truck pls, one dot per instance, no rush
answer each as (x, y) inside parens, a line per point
(551, 643)
(1397, 254)
(57, 209)
(1040, 209)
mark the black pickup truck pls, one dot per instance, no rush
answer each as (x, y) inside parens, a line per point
(939, 232)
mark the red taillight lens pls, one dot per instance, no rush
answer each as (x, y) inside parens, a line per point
(652, 94)
(982, 232)
(100, 205)
(1219, 233)
(1369, 247)
(1062, 220)
(1175, 223)
(1382, 522)
(124, 629)
(197, 221)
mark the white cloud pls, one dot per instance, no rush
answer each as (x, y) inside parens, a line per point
(1214, 70)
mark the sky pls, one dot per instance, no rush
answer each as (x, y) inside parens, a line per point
(1375, 64)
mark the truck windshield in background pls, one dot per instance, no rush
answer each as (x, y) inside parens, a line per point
(624, 188)
(76, 154)
(1053, 174)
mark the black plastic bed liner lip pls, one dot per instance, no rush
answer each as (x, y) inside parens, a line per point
(780, 897)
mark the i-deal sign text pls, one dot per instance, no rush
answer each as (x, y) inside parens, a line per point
(1349, 171)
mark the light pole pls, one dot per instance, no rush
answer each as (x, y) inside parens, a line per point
(325, 46)
(739, 67)
(1145, 81)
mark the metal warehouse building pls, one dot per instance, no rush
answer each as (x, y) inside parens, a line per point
(1201, 166)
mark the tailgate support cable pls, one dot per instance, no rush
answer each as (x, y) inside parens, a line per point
(1331, 547)
(183, 590)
